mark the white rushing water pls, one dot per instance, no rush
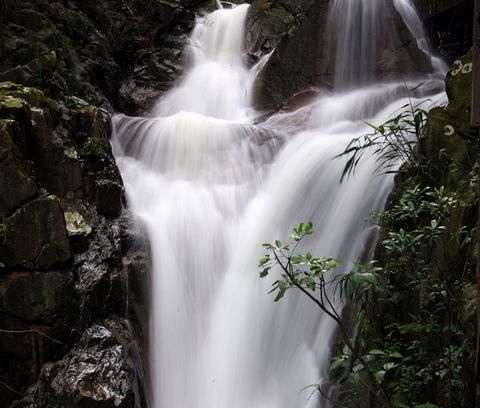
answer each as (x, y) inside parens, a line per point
(211, 187)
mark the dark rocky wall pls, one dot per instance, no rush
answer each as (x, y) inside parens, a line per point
(112, 53)
(61, 249)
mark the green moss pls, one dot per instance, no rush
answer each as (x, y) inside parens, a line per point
(11, 102)
(96, 146)
(33, 96)
(75, 103)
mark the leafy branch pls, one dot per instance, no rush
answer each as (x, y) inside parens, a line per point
(311, 276)
(392, 143)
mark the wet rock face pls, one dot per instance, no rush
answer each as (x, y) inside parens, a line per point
(62, 148)
(16, 183)
(268, 21)
(100, 371)
(40, 226)
(304, 58)
(298, 62)
(61, 251)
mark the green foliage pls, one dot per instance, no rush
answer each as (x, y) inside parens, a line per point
(95, 146)
(409, 339)
(299, 271)
(435, 340)
(391, 143)
(414, 317)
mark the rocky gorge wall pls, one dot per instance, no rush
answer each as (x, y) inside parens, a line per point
(64, 255)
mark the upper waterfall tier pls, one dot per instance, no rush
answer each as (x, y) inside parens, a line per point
(217, 85)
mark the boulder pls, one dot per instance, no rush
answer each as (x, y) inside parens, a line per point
(305, 56)
(297, 63)
(268, 21)
(78, 229)
(100, 371)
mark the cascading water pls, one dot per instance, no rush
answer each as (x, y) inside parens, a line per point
(211, 187)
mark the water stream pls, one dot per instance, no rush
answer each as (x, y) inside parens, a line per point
(211, 186)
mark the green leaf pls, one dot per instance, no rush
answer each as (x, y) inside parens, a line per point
(296, 260)
(264, 272)
(380, 375)
(264, 260)
(354, 378)
(389, 366)
(280, 294)
(395, 354)
(376, 352)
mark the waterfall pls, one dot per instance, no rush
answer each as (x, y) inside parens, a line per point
(357, 26)
(211, 185)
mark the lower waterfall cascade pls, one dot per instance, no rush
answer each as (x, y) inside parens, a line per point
(211, 181)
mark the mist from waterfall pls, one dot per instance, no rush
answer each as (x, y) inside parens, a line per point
(210, 185)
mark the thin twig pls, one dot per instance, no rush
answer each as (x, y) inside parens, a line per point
(10, 388)
(31, 331)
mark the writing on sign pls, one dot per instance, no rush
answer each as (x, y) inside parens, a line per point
(459, 68)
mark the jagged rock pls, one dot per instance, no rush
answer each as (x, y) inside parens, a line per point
(100, 371)
(68, 146)
(16, 184)
(39, 311)
(40, 228)
(32, 96)
(78, 230)
(15, 109)
(37, 296)
(109, 198)
(268, 21)
(101, 276)
(55, 147)
(93, 50)
(56, 158)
